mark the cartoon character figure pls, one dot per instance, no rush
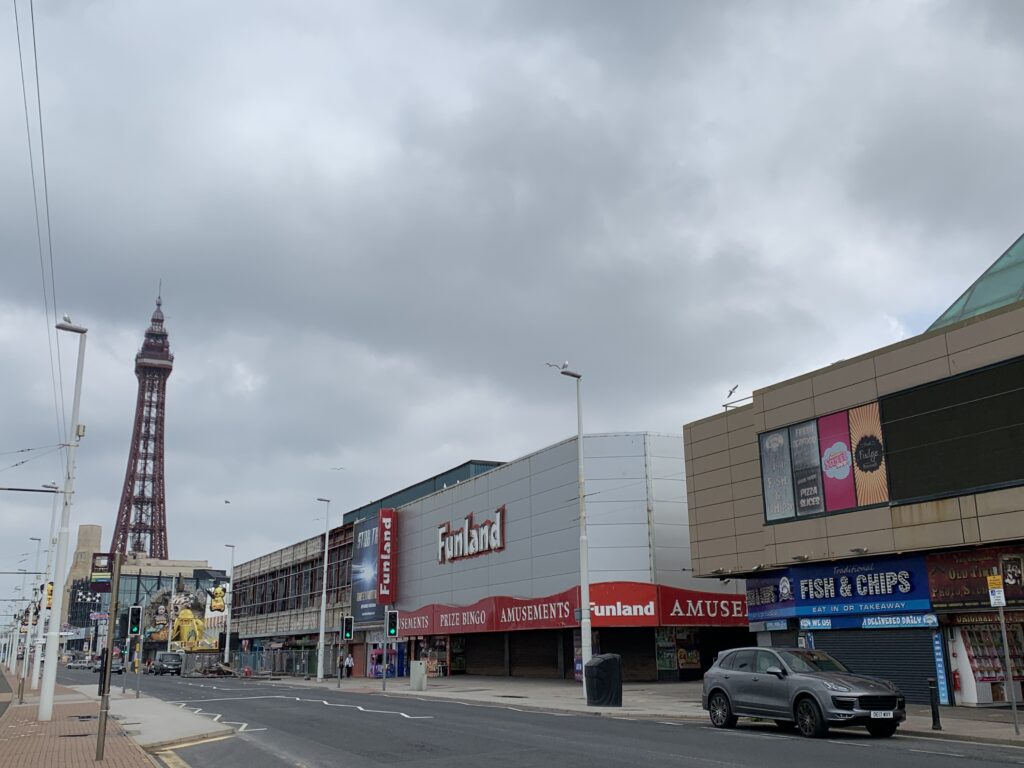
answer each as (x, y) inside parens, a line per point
(217, 598)
(188, 629)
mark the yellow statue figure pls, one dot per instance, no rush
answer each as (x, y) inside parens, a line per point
(188, 629)
(217, 603)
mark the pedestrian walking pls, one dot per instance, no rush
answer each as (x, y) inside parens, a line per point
(350, 664)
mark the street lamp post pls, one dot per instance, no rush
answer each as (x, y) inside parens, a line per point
(37, 665)
(28, 632)
(61, 560)
(323, 593)
(585, 632)
(231, 590)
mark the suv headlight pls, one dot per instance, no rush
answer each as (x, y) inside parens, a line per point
(835, 686)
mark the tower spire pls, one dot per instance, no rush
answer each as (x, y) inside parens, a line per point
(141, 526)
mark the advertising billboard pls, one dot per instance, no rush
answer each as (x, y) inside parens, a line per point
(777, 475)
(836, 462)
(830, 464)
(365, 552)
(868, 455)
(807, 488)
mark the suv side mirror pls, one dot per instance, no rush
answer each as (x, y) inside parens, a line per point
(777, 671)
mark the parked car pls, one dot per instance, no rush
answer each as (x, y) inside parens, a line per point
(79, 664)
(799, 687)
(116, 668)
(166, 663)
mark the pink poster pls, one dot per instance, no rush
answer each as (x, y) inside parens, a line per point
(836, 462)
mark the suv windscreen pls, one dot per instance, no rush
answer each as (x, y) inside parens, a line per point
(169, 658)
(812, 661)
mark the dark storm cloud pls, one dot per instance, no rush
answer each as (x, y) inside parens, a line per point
(375, 222)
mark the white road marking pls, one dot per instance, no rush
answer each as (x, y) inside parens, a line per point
(311, 701)
(932, 752)
(848, 743)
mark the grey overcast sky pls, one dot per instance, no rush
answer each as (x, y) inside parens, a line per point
(376, 221)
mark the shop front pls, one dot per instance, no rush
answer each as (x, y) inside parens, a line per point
(661, 633)
(874, 615)
(970, 625)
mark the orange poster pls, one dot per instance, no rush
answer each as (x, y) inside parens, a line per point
(868, 455)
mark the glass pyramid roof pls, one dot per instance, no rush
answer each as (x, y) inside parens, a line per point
(1000, 285)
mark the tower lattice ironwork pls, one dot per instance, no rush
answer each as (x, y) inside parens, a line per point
(142, 516)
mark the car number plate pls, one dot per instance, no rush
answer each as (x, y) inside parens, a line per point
(881, 715)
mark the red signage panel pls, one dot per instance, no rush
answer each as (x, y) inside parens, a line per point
(612, 604)
(689, 608)
(387, 560)
(623, 604)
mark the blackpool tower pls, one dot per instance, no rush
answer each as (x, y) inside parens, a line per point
(142, 516)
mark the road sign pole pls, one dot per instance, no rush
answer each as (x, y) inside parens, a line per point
(115, 587)
(1009, 672)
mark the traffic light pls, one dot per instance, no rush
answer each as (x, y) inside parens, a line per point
(392, 623)
(346, 631)
(134, 619)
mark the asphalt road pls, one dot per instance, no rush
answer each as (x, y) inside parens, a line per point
(303, 727)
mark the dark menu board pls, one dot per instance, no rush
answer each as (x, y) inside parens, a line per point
(803, 446)
(776, 475)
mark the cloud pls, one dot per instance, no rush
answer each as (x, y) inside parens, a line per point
(375, 223)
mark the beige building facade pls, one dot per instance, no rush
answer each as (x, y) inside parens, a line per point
(869, 501)
(729, 534)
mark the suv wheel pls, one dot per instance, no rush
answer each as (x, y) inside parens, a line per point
(721, 711)
(882, 730)
(809, 719)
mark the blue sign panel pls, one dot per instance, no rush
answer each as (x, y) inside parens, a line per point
(903, 621)
(940, 668)
(884, 585)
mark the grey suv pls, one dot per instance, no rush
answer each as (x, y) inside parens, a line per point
(799, 687)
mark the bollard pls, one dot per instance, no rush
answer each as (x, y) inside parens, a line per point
(933, 694)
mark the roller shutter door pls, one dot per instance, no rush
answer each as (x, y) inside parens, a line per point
(485, 654)
(904, 656)
(637, 649)
(535, 654)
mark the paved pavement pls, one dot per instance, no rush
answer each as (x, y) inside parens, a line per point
(69, 739)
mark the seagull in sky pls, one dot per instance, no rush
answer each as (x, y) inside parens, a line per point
(732, 390)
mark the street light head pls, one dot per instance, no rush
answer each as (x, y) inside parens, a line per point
(232, 546)
(71, 328)
(572, 374)
(34, 538)
(326, 501)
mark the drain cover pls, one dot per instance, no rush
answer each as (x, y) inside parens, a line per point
(74, 735)
(83, 718)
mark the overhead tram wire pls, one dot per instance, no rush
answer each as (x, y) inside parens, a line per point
(46, 205)
(55, 369)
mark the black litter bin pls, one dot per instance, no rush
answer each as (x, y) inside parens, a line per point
(603, 674)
